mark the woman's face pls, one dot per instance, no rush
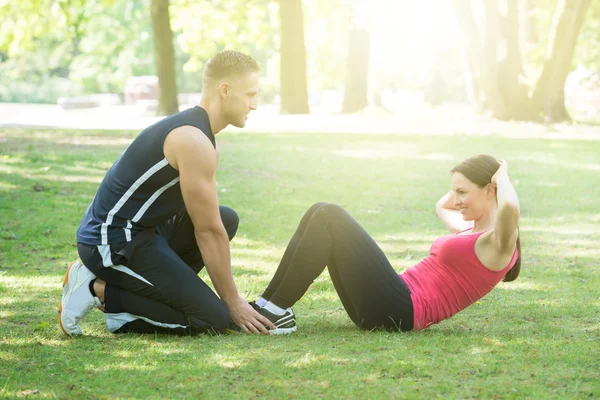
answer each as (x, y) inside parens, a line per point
(472, 201)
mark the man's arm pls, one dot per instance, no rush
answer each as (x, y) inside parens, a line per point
(450, 215)
(188, 150)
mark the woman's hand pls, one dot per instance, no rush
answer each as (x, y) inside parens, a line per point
(502, 173)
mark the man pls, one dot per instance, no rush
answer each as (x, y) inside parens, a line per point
(155, 222)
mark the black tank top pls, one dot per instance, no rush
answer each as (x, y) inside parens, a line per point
(141, 189)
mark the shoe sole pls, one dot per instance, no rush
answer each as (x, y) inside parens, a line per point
(65, 281)
(282, 331)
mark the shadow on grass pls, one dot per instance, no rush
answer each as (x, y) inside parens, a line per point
(535, 335)
(65, 140)
(325, 349)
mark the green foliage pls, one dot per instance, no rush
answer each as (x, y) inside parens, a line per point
(23, 21)
(588, 45)
(98, 44)
(28, 70)
(587, 50)
(116, 46)
(203, 28)
(326, 25)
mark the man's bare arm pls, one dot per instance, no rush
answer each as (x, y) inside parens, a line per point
(188, 150)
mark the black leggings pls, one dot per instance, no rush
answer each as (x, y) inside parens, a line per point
(372, 293)
(152, 282)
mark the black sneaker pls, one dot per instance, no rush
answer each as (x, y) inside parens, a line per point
(284, 324)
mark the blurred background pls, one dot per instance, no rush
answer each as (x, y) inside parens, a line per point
(525, 60)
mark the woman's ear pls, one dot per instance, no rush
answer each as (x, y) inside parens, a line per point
(490, 191)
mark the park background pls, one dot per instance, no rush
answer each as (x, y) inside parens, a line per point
(365, 104)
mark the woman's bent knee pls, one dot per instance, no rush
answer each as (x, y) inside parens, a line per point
(332, 209)
(316, 206)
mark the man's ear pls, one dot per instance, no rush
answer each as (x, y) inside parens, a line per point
(224, 90)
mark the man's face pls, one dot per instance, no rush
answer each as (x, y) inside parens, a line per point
(241, 98)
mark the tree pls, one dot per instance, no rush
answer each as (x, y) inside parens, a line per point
(549, 94)
(99, 44)
(292, 54)
(498, 83)
(164, 57)
(357, 71)
(588, 42)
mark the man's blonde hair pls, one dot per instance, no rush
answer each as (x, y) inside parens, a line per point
(228, 62)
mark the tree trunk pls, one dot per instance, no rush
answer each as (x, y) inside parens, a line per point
(528, 32)
(471, 79)
(483, 61)
(437, 86)
(499, 81)
(548, 96)
(357, 72)
(165, 58)
(292, 55)
(513, 91)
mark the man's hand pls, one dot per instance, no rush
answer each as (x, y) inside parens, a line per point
(249, 321)
(190, 152)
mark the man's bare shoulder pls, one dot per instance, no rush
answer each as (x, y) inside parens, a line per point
(188, 133)
(187, 142)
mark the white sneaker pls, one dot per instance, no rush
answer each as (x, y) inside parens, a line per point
(77, 300)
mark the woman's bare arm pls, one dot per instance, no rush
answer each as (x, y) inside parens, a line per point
(450, 214)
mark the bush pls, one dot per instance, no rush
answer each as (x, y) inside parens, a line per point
(37, 90)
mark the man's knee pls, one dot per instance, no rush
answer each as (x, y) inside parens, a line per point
(230, 220)
(217, 317)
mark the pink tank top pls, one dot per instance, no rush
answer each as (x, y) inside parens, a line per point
(450, 279)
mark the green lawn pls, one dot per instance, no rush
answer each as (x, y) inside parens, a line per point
(538, 337)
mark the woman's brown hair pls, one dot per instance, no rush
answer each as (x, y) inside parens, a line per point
(479, 170)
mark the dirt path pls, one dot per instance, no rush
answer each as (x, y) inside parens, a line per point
(446, 120)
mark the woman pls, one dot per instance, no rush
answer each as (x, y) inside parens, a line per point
(482, 211)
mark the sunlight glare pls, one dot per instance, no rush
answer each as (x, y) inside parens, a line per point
(407, 36)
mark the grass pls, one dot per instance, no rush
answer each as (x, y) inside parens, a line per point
(538, 337)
